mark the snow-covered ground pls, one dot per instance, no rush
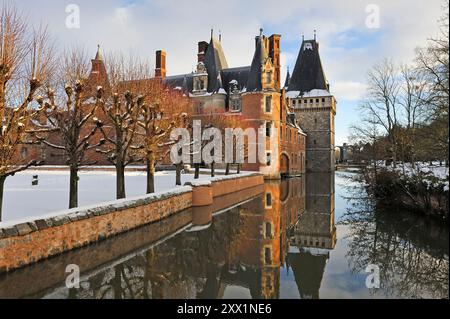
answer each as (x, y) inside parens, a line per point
(433, 169)
(22, 200)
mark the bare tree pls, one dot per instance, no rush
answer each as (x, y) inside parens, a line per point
(367, 132)
(433, 62)
(381, 104)
(122, 104)
(163, 110)
(25, 65)
(71, 116)
(412, 96)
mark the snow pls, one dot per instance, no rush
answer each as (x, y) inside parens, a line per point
(22, 200)
(436, 170)
(312, 93)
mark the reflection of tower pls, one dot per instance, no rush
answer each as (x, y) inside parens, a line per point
(314, 235)
(270, 249)
(259, 249)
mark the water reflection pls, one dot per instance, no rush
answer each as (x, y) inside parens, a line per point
(314, 235)
(410, 251)
(282, 243)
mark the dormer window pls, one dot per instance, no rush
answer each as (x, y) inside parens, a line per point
(200, 84)
(234, 97)
(308, 46)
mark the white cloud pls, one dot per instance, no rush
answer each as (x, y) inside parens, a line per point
(349, 91)
(348, 47)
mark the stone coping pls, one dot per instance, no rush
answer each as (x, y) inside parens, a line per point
(36, 223)
(32, 224)
(220, 178)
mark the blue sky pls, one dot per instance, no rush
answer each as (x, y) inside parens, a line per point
(348, 47)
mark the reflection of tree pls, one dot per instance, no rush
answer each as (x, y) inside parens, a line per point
(412, 253)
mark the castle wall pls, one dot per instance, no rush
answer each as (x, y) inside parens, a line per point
(317, 120)
(253, 112)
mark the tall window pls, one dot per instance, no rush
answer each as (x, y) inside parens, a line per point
(268, 255)
(268, 129)
(268, 77)
(268, 104)
(268, 200)
(268, 230)
(269, 159)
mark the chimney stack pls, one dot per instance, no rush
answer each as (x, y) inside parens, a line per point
(202, 47)
(274, 54)
(160, 71)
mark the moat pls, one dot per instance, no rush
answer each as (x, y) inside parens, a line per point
(307, 237)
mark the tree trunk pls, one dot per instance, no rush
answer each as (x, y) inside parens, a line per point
(178, 175)
(213, 171)
(73, 188)
(150, 175)
(120, 181)
(227, 169)
(2, 185)
(197, 171)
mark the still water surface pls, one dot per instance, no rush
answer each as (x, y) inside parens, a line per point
(308, 237)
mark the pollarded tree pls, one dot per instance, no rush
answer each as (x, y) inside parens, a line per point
(25, 65)
(121, 104)
(69, 113)
(164, 109)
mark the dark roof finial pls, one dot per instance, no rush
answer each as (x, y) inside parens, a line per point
(303, 37)
(212, 32)
(315, 34)
(260, 31)
(220, 36)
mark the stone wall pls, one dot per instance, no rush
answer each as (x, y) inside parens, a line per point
(32, 240)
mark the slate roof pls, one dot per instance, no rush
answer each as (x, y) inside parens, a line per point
(215, 62)
(183, 81)
(99, 54)
(308, 72)
(288, 79)
(259, 59)
(239, 74)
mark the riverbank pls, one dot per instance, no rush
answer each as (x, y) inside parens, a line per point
(421, 190)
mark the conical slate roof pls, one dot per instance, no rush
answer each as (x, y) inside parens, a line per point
(308, 72)
(259, 59)
(288, 79)
(215, 62)
(99, 55)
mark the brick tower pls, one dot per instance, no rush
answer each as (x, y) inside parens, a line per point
(261, 102)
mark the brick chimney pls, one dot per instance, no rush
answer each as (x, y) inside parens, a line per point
(202, 47)
(274, 54)
(160, 71)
